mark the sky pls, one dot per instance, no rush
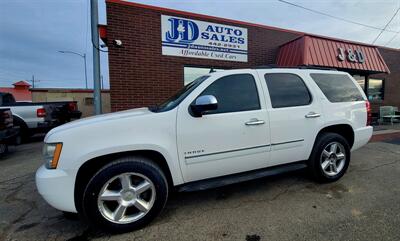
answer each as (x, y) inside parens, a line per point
(33, 31)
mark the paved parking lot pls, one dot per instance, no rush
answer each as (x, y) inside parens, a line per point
(364, 205)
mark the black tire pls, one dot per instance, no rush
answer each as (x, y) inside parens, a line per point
(315, 161)
(24, 132)
(134, 164)
(3, 149)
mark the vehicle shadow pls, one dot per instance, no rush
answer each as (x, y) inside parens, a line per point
(191, 203)
(35, 138)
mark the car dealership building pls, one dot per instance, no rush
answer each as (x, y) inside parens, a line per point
(153, 52)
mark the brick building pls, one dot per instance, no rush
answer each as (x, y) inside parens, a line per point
(150, 64)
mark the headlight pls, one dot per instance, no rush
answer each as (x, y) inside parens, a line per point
(51, 154)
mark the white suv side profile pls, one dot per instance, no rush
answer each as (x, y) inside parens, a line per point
(117, 169)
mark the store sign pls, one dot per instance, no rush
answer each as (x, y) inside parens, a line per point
(355, 56)
(198, 39)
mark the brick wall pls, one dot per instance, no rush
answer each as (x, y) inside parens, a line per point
(141, 76)
(392, 80)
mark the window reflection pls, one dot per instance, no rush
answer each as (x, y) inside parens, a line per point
(360, 80)
(192, 73)
(375, 89)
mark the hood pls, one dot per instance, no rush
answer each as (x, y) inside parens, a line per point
(99, 119)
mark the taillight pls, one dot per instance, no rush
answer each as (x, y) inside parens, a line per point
(72, 106)
(41, 112)
(369, 114)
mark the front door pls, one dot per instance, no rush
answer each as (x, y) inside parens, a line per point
(231, 139)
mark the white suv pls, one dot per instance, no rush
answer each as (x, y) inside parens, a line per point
(117, 169)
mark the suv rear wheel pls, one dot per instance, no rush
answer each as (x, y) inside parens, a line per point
(125, 194)
(330, 157)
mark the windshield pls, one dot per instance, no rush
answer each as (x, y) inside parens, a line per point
(174, 100)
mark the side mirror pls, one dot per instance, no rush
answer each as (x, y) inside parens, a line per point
(204, 103)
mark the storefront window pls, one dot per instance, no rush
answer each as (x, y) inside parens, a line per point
(192, 73)
(375, 89)
(360, 80)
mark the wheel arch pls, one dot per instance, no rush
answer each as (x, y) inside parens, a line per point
(91, 166)
(344, 130)
(20, 121)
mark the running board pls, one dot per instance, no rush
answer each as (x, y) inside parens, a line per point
(240, 177)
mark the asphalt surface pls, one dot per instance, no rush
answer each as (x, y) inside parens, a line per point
(363, 205)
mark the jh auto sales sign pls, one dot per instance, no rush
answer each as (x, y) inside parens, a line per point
(198, 39)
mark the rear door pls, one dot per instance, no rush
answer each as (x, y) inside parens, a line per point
(295, 115)
(233, 138)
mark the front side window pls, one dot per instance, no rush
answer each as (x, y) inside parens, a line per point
(234, 93)
(375, 89)
(174, 100)
(287, 90)
(192, 73)
(337, 87)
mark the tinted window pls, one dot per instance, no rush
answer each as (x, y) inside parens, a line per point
(337, 87)
(174, 100)
(192, 73)
(7, 99)
(287, 90)
(234, 93)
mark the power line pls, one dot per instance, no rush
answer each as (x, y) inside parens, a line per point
(394, 15)
(394, 36)
(338, 18)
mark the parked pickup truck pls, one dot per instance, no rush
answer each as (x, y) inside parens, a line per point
(117, 169)
(40, 116)
(9, 134)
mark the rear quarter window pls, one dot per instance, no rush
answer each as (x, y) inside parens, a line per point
(337, 87)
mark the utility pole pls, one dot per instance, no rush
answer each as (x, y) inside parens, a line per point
(33, 81)
(96, 56)
(84, 59)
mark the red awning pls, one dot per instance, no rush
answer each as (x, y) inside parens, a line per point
(318, 51)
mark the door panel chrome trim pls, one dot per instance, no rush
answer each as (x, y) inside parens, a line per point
(286, 142)
(243, 149)
(221, 152)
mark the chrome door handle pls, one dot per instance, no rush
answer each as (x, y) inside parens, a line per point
(312, 115)
(254, 122)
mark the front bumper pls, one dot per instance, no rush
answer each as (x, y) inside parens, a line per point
(361, 137)
(57, 188)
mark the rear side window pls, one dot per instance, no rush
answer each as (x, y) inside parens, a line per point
(234, 93)
(337, 87)
(287, 90)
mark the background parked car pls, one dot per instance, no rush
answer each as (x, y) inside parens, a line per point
(8, 132)
(39, 117)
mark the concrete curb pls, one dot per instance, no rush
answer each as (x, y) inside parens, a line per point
(376, 136)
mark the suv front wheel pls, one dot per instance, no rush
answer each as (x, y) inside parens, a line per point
(330, 157)
(125, 194)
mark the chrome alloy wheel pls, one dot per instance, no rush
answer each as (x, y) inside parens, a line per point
(126, 198)
(333, 158)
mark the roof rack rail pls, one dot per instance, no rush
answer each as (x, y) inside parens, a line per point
(269, 66)
(315, 67)
(274, 66)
